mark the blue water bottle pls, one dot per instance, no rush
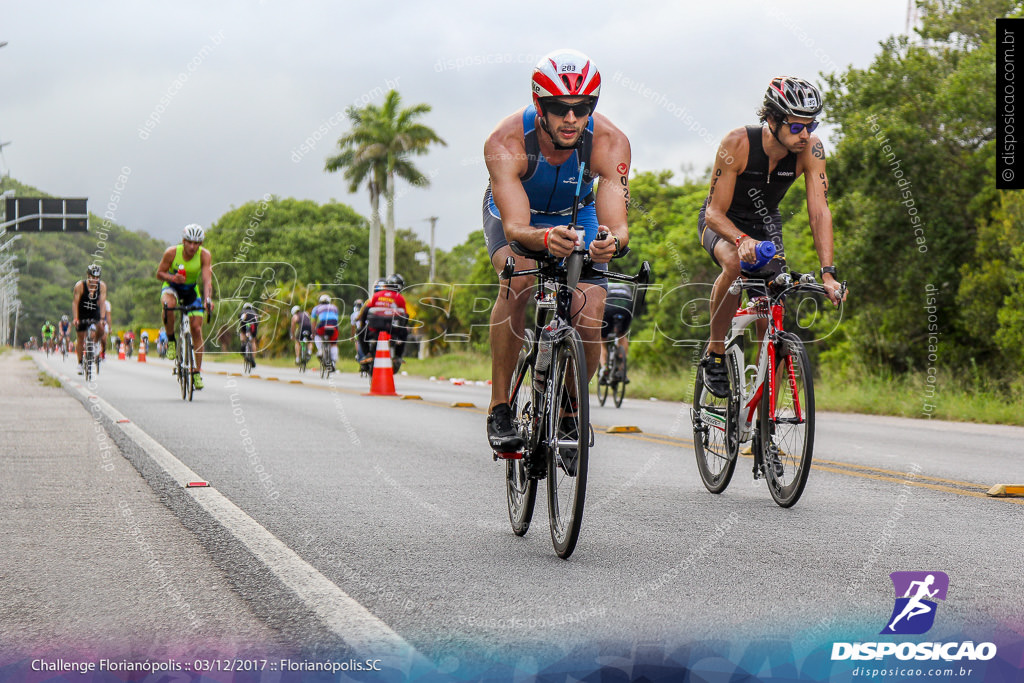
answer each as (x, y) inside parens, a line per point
(765, 253)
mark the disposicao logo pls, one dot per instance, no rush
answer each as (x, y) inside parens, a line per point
(916, 592)
(913, 614)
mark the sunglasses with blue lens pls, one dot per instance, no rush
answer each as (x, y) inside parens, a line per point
(796, 128)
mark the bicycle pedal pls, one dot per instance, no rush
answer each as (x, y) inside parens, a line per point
(507, 456)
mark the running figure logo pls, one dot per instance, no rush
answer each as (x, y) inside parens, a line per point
(914, 612)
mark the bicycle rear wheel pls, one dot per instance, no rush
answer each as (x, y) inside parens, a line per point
(715, 432)
(569, 436)
(788, 438)
(619, 378)
(520, 488)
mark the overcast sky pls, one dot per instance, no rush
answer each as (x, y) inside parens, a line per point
(208, 105)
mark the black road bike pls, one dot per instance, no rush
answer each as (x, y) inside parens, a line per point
(549, 398)
(185, 358)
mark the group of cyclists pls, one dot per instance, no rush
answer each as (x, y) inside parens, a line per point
(547, 161)
(544, 162)
(385, 311)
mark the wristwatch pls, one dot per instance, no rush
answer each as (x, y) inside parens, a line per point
(618, 249)
(831, 270)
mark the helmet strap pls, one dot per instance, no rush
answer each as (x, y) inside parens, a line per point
(559, 146)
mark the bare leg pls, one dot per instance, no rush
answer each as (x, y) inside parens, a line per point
(508, 320)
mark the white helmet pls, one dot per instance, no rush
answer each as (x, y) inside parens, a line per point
(295, 309)
(324, 299)
(565, 73)
(193, 232)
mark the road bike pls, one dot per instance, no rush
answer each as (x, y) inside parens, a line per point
(90, 357)
(780, 389)
(324, 358)
(63, 349)
(549, 398)
(185, 358)
(613, 378)
(304, 354)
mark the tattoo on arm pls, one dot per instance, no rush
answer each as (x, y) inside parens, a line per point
(818, 150)
(625, 189)
(714, 181)
(824, 183)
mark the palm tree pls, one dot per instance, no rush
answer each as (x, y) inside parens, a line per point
(376, 151)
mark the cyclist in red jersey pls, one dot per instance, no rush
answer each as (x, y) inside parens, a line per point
(385, 311)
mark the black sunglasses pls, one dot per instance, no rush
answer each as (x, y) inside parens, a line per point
(559, 108)
(795, 128)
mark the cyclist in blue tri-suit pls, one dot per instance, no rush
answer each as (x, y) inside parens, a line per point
(533, 158)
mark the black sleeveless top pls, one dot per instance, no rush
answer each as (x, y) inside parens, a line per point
(88, 304)
(756, 190)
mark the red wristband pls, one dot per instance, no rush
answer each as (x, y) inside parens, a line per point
(546, 233)
(740, 239)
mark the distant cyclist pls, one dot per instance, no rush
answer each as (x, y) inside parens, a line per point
(301, 332)
(129, 343)
(248, 329)
(326, 319)
(754, 168)
(181, 269)
(89, 297)
(47, 333)
(385, 312)
(144, 342)
(618, 314)
(64, 332)
(105, 329)
(161, 343)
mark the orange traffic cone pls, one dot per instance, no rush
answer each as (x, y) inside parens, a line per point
(120, 350)
(142, 353)
(383, 382)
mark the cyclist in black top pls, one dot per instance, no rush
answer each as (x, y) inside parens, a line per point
(301, 332)
(618, 314)
(90, 297)
(248, 326)
(754, 168)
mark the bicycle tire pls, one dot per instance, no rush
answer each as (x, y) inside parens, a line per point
(520, 488)
(190, 365)
(88, 361)
(619, 380)
(602, 391)
(715, 432)
(567, 486)
(789, 437)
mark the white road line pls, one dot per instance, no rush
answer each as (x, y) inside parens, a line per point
(338, 611)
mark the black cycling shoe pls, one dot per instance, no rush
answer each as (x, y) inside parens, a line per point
(716, 376)
(502, 435)
(567, 430)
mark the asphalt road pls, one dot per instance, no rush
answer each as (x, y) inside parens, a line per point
(399, 505)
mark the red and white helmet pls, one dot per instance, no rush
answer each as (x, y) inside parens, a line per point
(566, 73)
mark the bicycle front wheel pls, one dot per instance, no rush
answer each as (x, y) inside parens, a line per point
(787, 433)
(521, 489)
(190, 367)
(715, 433)
(569, 439)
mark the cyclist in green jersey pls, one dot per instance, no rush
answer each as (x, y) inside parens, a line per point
(181, 269)
(47, 332)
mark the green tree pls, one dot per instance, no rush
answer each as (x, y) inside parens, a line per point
(375, 152)
(912, 182)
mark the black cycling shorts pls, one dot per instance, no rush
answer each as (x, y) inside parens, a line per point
(616, 321)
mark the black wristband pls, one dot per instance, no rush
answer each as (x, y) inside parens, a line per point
(618, 249)
(831, 270)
